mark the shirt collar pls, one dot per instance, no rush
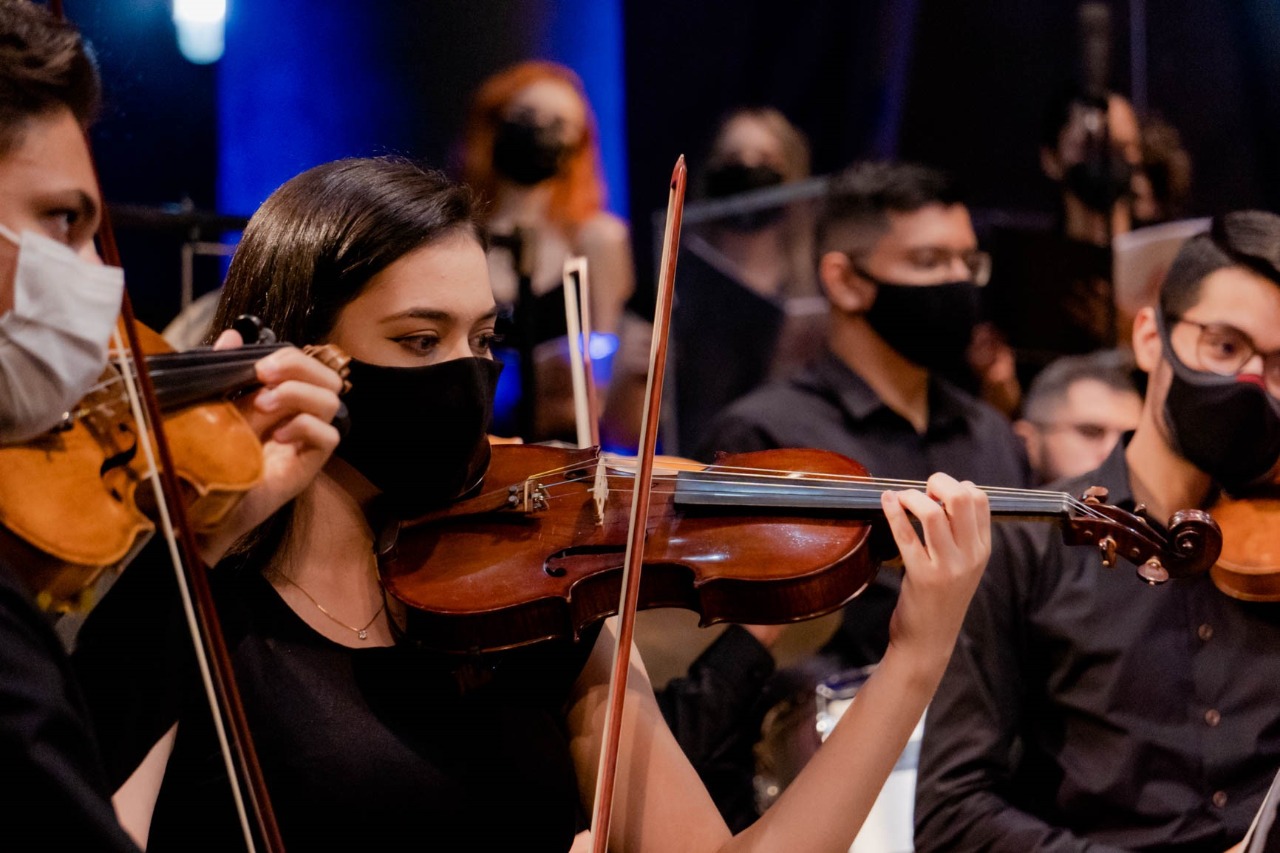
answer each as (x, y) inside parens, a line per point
(829, 374)
(1112, 475)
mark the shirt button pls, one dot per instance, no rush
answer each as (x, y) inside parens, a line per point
(1212, 718)
(1205, 632)
(1220, 799)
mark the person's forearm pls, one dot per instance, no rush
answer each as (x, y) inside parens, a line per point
(826, 806)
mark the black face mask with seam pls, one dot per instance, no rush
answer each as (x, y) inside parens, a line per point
(929, 325)
(1227, 426)
(420, 434)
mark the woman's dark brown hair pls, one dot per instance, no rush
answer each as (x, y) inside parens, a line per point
(318, 239)
(312, 248)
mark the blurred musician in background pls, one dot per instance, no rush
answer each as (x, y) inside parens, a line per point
(531, 154)
(900, 265)
(1079, 714)
(1076, 410)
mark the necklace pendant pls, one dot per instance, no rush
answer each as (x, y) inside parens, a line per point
(362, 634)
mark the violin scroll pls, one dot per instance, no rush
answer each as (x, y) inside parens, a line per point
(1189, 546)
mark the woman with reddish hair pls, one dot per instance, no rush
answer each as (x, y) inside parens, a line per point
(531, 153)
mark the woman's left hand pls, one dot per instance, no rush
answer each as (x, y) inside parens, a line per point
(942, 568)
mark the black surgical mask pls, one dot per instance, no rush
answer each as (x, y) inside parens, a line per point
(1100, 182)
(730, 179)
(929, 325)
(1227, 427)
(527, 153)
(420, 434)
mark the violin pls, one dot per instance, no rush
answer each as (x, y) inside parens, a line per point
(89, 514)
(769, 537)
(1249, 566)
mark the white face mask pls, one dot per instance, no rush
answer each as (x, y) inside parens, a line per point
(53, 344)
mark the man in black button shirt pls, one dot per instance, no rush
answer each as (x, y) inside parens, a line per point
(900, 264)
(1081, 711)
(899, 261)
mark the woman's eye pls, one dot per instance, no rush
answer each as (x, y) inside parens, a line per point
(418, 344)
(486, 342)
(60, 223)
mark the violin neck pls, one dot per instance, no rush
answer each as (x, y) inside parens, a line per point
(845, 496)
(184, 378)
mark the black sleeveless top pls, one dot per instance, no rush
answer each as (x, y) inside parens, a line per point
(379, 748)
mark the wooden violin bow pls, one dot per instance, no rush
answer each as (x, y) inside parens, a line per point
(608, 768)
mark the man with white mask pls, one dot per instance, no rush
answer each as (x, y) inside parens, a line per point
(58, 306)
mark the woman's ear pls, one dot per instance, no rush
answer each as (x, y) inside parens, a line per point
(848, 291)
(1147, 347)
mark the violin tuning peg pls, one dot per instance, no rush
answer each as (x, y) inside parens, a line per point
(1108, 548)
(1153, 572)
(250, 328)
(1095, 495)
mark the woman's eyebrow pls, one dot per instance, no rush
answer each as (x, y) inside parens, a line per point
(420, 314)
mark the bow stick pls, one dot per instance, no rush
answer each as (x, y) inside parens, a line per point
(608, 768)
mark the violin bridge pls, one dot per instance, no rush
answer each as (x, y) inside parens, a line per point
(600, 491)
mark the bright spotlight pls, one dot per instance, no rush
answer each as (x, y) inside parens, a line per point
(201, 26)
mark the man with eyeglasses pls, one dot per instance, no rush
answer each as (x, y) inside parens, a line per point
(1076, 410)
(899, 261)
(1081, 712)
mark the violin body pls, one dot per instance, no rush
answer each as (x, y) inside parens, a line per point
(71, 502)
(1249, 566)
(555, 570)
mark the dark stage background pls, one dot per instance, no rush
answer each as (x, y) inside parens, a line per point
(960, 85)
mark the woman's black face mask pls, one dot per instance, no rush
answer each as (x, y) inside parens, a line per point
(528, 153)
(420, 434)
(1227, 427)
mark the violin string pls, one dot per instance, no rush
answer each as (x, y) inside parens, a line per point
(769, 473)
(1065, 501)
(999, 491)
(859, 486)
(225, 358)
(159, 375)
(801, 479)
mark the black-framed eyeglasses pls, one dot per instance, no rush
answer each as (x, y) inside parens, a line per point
(976, 261)
(1225, 350)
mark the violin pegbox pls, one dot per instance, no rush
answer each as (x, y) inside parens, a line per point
(1189, 546)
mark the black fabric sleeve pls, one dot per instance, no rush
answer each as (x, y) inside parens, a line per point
(135, 661)
(971, 744)
(715, 713)
(55, 796)
(732, 433)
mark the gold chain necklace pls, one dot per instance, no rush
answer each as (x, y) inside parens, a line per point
(362, 633)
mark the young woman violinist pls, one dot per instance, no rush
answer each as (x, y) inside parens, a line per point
(366, 741)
